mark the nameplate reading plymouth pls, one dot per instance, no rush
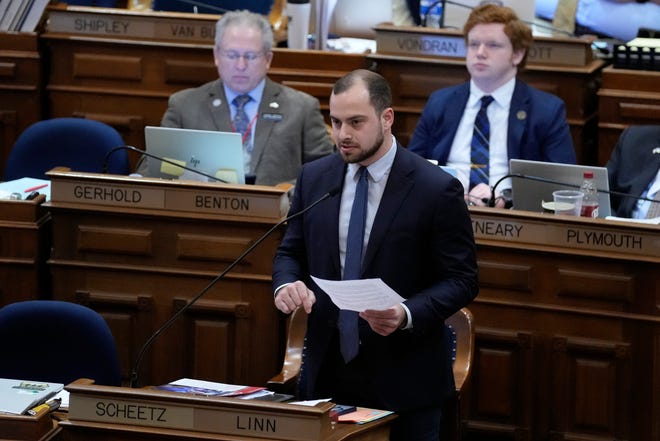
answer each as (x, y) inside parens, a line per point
(597, 237)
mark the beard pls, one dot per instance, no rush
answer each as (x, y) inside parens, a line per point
(364, 154)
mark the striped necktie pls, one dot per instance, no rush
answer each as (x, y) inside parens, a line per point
(480, 155)
(241, 121)
(348, 320)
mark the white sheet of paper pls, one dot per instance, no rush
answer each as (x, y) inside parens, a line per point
(358, 295)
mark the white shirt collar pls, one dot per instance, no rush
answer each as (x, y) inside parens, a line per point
(379, 169)
(502, 95)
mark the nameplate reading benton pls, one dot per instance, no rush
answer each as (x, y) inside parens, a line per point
(202, 199)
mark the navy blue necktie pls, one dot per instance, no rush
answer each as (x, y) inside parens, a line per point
(241, 121)
(348, 320)
(480, 153)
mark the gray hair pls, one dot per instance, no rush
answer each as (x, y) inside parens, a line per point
(245, 19)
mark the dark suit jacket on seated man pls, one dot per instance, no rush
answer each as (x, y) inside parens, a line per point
(286, 127)
(525, 123)
(634, 168)
(418, 239)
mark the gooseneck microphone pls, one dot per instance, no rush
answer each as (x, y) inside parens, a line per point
(201, 4)
(492, 200)
(151, 155)
(176, 315)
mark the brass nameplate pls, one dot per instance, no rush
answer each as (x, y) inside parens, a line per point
(178, 196)
(212, 418)
(449, 44)
(130, 407)
(594, 235)
(125, 24)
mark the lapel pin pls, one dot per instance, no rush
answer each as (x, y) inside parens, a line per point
(521, 115)
(217, 102)
(274, 105)
(656, 151)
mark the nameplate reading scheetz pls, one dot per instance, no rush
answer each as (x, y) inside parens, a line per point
(210, 418)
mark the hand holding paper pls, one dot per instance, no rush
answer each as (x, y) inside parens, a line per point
(359, 295)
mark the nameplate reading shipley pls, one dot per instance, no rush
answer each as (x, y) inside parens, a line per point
(410, 42)
(225, 420)
(128, 24)
(192, 200)
(618, 241)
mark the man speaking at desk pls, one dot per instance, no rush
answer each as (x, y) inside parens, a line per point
(282, 128)
(398, 218)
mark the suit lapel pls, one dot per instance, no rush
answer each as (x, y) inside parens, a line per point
(219, 108)
(518, 114)
(269, 113)
(399, 184)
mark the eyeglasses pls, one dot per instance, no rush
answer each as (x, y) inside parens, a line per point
(235, 56)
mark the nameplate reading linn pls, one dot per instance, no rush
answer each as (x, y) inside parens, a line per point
(583, 236)
(210, 417)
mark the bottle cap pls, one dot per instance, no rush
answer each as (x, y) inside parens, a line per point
(588, 175)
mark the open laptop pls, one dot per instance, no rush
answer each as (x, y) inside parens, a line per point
(218, 154)
(18, 396)
(528, 194)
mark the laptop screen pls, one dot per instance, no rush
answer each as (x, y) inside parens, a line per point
(529, 194)
(218, 154)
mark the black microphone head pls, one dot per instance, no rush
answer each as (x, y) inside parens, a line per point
(334, 191)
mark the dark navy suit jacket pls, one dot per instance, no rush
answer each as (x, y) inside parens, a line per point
(421, 245)
(633, 165)
(537, 125)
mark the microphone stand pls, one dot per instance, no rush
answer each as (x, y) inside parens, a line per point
(150, 155)
(491, 201)
(176, 315)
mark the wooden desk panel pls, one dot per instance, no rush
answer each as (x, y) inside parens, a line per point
(25, 239)
(138, 265)
(21, 88)
(567, 329)
(626, 97)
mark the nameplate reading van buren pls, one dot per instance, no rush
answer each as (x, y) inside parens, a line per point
(131, 24)
(170, 197)
(212, 418)
(611, 238)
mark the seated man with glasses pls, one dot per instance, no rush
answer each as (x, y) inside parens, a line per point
(282, 128)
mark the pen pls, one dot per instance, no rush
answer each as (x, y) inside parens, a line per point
(48, 406)
(36, 187)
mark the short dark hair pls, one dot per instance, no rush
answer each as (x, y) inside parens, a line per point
(380, 95)
(519, 33)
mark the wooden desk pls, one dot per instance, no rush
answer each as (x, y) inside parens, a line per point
(137, 250)
(626, 97)
(24, 246)
(21, 87)
(567, 329)
(114, 414)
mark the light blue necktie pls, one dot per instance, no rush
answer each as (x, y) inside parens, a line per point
(480, 145)
(348, 320)
(241, 121)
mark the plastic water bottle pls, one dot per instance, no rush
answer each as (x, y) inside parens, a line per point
(432, 15)
(590, 199)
